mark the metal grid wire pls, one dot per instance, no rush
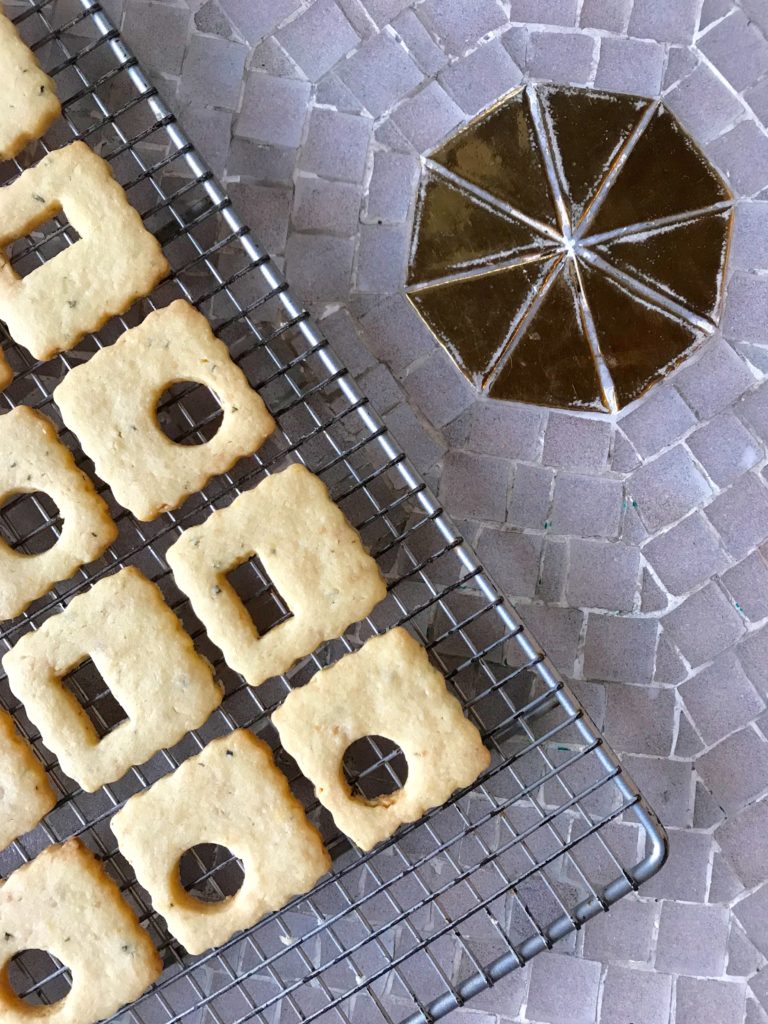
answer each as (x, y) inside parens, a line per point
(551, 834)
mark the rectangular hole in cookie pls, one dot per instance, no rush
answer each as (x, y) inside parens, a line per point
(42, 244)
(259, 595)
(94, 696)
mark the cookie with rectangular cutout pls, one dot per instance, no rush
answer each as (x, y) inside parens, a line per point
(26, 795)
(311, 554)
(30, 103)
(387, 688)
(64, 903)
(145, 658)
(149, 473)
(230, 794)
(32, 458)
(114, 262)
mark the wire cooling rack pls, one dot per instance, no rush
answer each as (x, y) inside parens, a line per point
(553, 833)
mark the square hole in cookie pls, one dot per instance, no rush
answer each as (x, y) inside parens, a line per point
(94, 696)
(189, 413)
(42, 244)
(261, 598)
(30, 522)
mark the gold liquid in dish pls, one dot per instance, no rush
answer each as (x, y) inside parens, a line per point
(569, 247)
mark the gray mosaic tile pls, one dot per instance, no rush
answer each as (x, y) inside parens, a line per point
(516, 557)
(640, 719)
(602, 575)
(692, 939)
(624, 934)
(620, 648)
(657, 421)
(714, 380)
(631, 65)
(667, 488)
(699, 998)
(685, 876)
(747, 751)
(336, 145)
(704, 103)
(672, 23)
(531, 498)
(563, 990)
(273, 110)
(743, 838)
(477, 80)
(720, 699)
(686, 555)
(380, 73)
(566, 57)
(737, 48)
(637, 995)
(586, 506)
(508, 429)
(475, 486)
(318, 38)
(704, 625)
(573, 442)
(459, 26)
(747, 583)
(740, 515)
(724, 448)
(668, 786)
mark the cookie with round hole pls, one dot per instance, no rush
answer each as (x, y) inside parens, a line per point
(146, 660)
(63, 902)
(114, 261)
(230, 794)
(33, 459)
(388, 688)
(26, 795)
(147, 471)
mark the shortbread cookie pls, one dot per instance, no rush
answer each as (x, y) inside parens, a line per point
(311, 554)
(26, 795)
(29, 102)
(114, 262)
(145, 658)
(387, 688)
(149, 473)
(33, 459)
(64, 903)
(230, 794)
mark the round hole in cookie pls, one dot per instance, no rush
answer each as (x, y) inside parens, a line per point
(37, 978)
(374, 767)
(30, 522)
(189, 413)
(211, 873)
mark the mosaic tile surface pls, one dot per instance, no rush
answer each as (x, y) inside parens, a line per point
(569, 247)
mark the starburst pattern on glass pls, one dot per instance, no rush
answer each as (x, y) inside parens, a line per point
(569, 247)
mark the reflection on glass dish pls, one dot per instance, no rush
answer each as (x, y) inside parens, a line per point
(569, 247)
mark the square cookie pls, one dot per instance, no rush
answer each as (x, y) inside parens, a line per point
(114, 262)
(26, 795)
(311, 554)
(230, 794)
(145, 658)
(149, 473)
(32, 458)
(387, 688)
(29, 102)
(64, 903)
